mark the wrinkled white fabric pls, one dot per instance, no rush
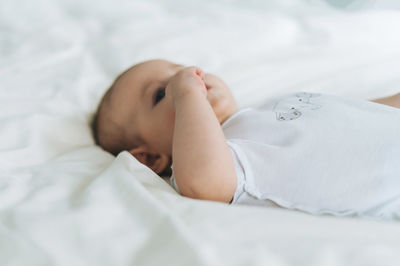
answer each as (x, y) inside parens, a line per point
(65, 201)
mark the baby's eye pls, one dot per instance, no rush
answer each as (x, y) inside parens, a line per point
(159, 95)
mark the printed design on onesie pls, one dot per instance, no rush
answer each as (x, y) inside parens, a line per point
(290, 108)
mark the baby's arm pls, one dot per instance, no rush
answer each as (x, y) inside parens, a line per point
(202, 161)
(393, 100)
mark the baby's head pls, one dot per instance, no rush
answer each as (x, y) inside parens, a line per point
(133, 114)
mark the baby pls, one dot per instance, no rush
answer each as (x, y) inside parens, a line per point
(306, 151)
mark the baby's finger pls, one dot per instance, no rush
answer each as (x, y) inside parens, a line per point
(200, 73)
(196, 70)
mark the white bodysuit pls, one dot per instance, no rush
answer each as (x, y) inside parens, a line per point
(317, 153)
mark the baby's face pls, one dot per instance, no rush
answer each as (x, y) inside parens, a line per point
(148, 116)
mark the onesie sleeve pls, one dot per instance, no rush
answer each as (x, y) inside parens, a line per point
(239, 170)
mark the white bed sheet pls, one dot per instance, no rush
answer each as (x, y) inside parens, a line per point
(64, 201)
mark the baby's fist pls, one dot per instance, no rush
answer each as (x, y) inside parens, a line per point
(187, 81)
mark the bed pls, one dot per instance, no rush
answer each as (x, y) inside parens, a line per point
(65, 201)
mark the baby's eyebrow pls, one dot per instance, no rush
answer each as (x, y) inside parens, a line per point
(144, 88)
(147, 88)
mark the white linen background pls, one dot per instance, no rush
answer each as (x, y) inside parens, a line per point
(64, 201)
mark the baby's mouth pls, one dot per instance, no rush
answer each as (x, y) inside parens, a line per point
(208, 87)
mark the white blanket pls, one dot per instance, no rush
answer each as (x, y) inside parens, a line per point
(64, 201)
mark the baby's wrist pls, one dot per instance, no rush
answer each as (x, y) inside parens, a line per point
(188, 96)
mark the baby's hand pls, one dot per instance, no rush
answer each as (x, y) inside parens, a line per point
(187, 81)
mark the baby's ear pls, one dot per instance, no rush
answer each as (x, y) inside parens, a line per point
(156, 162)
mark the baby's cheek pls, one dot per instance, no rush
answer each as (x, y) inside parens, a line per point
(222, 104)
(215, 98)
